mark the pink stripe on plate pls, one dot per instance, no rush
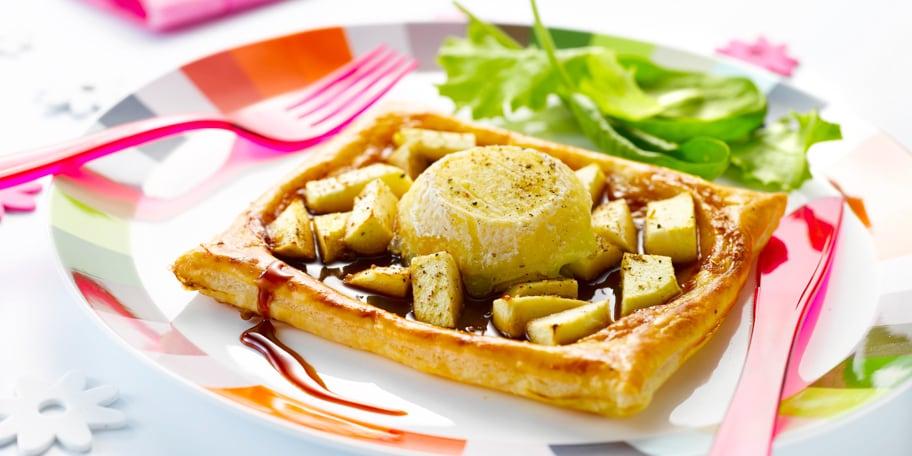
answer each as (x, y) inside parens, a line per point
(876, 175)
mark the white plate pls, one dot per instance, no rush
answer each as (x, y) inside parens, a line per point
(117, 230)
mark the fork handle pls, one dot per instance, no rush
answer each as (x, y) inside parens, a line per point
(748, 425)
(59, 158)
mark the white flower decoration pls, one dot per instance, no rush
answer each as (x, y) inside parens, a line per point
(65, 410)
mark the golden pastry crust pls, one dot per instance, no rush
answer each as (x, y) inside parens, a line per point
(613, 372)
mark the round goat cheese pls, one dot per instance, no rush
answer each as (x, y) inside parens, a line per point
(506, 214)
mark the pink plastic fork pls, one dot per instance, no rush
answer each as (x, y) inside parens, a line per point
(791, 270)
(290, 121)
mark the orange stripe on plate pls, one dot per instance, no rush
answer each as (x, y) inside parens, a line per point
(222, 81)
(291, 62)
(875, 178)
(265, 400)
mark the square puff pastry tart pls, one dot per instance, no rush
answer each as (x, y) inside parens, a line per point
(614, 371)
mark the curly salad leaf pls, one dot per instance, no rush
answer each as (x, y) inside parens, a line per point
(627, 105)
(492, 78)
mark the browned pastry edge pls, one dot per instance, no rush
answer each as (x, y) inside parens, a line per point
(614, 372)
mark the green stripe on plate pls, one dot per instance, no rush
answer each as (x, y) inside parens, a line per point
(89, 224)
(623, 45)
(567, 38)
(878, 372)
(79, 254)
(888, 340)
(815, 402)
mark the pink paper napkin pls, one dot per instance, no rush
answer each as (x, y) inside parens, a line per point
(162, 15)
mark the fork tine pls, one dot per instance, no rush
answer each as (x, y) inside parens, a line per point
(332, 79)
(347, 111)
(365, 92)
(327, 96)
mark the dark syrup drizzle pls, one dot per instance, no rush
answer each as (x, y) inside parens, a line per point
(262, 338)
(476, 314)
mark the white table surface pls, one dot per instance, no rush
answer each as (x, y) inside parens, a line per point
(857, 53)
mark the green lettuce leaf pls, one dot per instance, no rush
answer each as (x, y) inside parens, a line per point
(775, 157)
(597, 74)
(696, 104)
(701, 156)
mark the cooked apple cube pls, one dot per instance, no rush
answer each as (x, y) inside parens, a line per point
(330, 234)
(337, 193)
(613, 222)
(593, 179)
(436, 289)
(387, 280)
(570, 325)
(646, 280)
(671, 228)
(369, 228)
(604, 258)
(290, 233)
(511, 315)
(407, 158)
(566, 288)
(434, 144)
